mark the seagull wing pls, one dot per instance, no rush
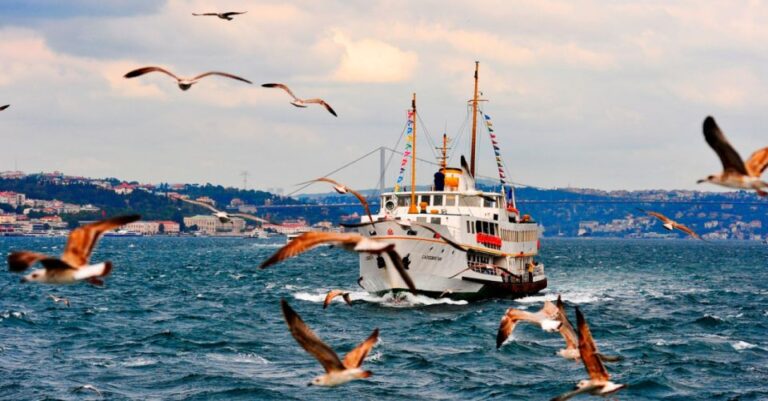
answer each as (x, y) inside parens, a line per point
(443, 237)
(4, 107)
(566, 328)
(283, 87)
(146, 70)
(659, 216)
(571, 394)
(221, 74)
(588, 350)
(363, 202)
(331, 295)
(201, 204)
(346, 298)
(727, 154)
(758, 162)
(231, 13)
(83, 239)
(397, 261)
(354, 359)
(250, 217)
(687, 230)
(206, 14)
(309, 341)
(322, 102)
(506, 327)
(20, 261)
(307, 241)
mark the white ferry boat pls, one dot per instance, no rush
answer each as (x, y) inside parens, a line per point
(501, 244)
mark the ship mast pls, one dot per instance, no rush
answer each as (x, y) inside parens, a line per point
(474, 123)
(412, 209)
(444, 160)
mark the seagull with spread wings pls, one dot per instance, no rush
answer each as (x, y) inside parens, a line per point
(73, 265)
(301, 102)
(736, 173)
(336, 293)
(223, 217)
(571, 350)
(544, 318)
(349, 241)
(599, 382)
(336, 371)
(670, 224)
(184, 83)
(225, 16)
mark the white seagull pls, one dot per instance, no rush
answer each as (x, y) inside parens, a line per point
(301, 102)
(545, 318)
(670, 224)
(343, 189)
(336, 371)
(348, 241)
(599, 380)
(56, 299)
(73, 264)
(335, 293)
(88, 387)
(225, 16)
(736, 173)
(184, 83)
(571, 350)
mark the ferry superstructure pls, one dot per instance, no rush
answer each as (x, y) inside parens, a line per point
(501, 244)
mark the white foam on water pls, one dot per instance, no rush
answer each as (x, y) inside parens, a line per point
(574, 297)
(239, 358)
(401, 300)
(275, 245)
(374, 357)
(138, 362)
(742, 345)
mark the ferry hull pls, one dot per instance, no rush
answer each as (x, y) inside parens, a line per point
(437, 269)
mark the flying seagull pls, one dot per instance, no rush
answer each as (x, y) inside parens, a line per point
(408, 224)
(736, 173)
(226, 16)
(4, 107)
(349, 241)
(56, 299)
(88, 387)
(571, 350)
(301, 102)
(343, 189)
(335, 293)
(670, 224)
(336, 371)
(73, 265)
(599, 380)
(544, 318)
(223, 217)
(184, 83)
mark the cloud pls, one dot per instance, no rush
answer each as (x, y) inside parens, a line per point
(373, 61)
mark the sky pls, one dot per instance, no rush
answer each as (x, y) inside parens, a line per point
(607, 95)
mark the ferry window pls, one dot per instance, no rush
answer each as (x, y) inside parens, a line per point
(494, 229)
(403, 201)
(488, 203)
(437, 200)
(469, 228)
(485, 230)
(421, 219)
(435, 220)
(470, 201)
(424, 198)
(450, 200)
(478, 226)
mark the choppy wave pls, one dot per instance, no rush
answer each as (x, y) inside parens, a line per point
(400, 300)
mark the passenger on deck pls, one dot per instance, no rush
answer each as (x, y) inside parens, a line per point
(439, 181)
